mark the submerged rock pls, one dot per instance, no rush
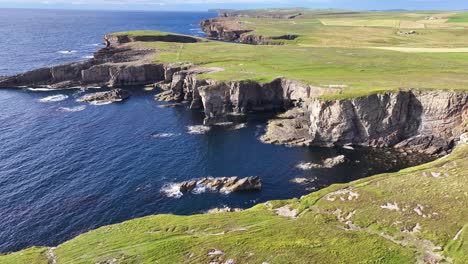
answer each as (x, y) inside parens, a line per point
(115, 95)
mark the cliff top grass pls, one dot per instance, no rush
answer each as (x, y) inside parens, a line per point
(417, 214)
(361, 71)
(364, 52)
(362, 29)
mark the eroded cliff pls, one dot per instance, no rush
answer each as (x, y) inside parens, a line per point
(424, 121)
(428, 121)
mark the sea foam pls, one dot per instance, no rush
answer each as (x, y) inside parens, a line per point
(67, 51)
(73, 109)
(53, 98)
(171, 190)
(198, 130)
(163, 135)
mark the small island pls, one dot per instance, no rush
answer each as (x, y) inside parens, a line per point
(339, 79)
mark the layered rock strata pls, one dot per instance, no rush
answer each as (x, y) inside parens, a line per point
(427, 121)
(117, 66)
(228, 29)
(115, 95)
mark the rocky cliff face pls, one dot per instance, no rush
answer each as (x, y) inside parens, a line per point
(114, 67)
(414, 120)
(428, 121)
(227, 29)
(223, 29)
(116, 40)
(219, 99)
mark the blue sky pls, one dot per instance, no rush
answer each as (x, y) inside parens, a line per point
(239, 4)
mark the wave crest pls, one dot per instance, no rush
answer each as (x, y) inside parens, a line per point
(53, 98)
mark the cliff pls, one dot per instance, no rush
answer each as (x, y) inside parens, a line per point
(227, 29)
(425, 121)
(120, 65)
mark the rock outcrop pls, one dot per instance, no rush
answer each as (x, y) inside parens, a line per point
(427, 121)
(325, 164)
(164, 37)
(228, 29)
(223, 184)
(218, 99)
(118, 66)
(115, 95)
(223, 29)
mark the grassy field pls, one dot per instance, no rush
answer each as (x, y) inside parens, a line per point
(362, 51)
(366, 29)
(363, 70)
(418, 214)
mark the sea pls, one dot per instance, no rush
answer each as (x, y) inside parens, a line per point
(68, 167)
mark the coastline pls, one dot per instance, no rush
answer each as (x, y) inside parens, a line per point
(383, 119)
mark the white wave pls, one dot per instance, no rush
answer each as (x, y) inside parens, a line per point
(44, 89)
(306, 165)
(41, 89)
(73, 109)
(200, 188)
(172, 190)
(164, 135)
(97, 44)
(224, 191)
(197, 130)
(53, 98)
(195, 29)
(239, 126)
(224, 124)
(67, 51)
(88, 57)
(100, 102)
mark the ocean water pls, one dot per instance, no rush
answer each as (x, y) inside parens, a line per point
(69, 167)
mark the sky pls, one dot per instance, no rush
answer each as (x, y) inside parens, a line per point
(196, 5)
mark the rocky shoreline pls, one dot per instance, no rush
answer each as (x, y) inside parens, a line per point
(417, 121)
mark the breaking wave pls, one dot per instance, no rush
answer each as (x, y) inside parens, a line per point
(198, 130)
(306, 166)
(67, 51)
(73, 109)
(171, 190)
(200, 188)
(163, 135)
(100, 102)
(53, 98)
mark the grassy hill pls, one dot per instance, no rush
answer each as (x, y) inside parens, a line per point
(418, 214)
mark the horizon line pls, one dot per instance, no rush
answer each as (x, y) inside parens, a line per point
(213, 10)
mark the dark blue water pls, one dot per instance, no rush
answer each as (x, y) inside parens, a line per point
(38, 38)
(67, 167)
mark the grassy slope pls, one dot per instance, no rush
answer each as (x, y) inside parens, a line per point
(317, 236)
